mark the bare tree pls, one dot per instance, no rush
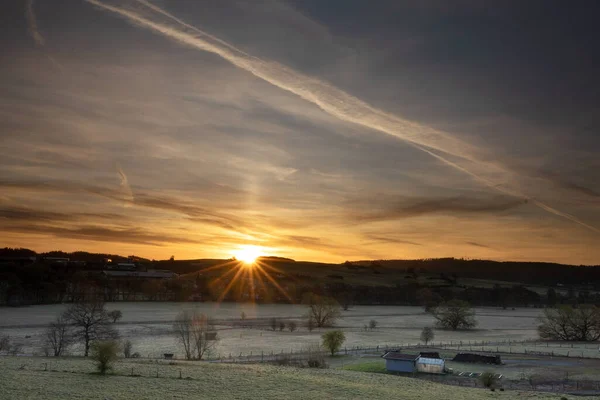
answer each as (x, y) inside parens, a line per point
(323, 311)
(115, 315)
(58, 336)
(455, 314)
(427, 335)
(273, 323)
(196, 334)
(572, 324)
(281, 326)
(90, 322)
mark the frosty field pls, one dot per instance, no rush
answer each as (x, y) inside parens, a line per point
(148, 326)
(27, 378)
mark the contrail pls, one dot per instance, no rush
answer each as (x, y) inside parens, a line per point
(125, 187)
(32, 24)
(35, 32)
(332, 100)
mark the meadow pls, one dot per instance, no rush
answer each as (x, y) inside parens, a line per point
(148, 326)
(73, 378)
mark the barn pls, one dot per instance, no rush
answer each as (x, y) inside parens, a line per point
(398, 362)
(431, 365)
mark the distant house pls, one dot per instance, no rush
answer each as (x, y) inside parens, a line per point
(431, 365)
(398, 362)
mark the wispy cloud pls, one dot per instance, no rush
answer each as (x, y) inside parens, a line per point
(409, 208)
(342, 105)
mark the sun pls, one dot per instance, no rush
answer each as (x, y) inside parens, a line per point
(247, 254)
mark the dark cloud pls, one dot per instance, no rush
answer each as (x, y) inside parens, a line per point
(479, 245)
(169, 204)
(98, 233)
(408, 208)
(391, 239)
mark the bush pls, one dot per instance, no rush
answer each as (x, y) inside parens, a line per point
(135, 355)
(281, 326)
(104, 353)
(333, 341)
(273, 323)
(372, 324)
(316, 358)
(292, 326)
(488, 379)
(4, 343)
(115, 315)
(127, 346)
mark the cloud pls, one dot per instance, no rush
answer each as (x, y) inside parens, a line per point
(125, 187)
(410, 208)
(144, 200)
(390, 239)
(341, 104)
(479, 245)
(99, 233)
(32, 23)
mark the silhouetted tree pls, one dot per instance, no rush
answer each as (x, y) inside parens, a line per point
(115, 315)
(324, 311)
(90, 322)
(427, 335)
(58, 336)
(571, 324)
(195, 332)
(455, 314)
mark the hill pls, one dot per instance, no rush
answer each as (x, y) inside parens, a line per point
(25, 378)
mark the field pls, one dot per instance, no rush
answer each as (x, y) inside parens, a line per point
(48, 378)
(148, 326)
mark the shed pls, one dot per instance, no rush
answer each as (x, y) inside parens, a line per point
(398, 362)
(431, 365)
(477, 358)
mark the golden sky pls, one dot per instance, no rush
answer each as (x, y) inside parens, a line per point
(192, 129)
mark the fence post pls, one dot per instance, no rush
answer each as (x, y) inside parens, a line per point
(262, 356)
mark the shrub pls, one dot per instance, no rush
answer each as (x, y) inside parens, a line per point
(316, 358)
(427, 335)
(115, 315)
(127, 346)
(333, 340)
(104, 353)
(281, 326)
(292, 326)
(488, 379)
(4, 343)
(273, 323)
(372, 324)
(135, 355)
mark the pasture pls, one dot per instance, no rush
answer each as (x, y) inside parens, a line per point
(148, 326)
(51, 378)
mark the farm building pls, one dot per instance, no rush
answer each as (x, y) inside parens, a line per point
(398, 362)
(431, 365)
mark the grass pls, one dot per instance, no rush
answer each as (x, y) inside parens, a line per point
(25, 378)
(367, 366)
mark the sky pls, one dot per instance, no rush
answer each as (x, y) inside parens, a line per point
(317, 130)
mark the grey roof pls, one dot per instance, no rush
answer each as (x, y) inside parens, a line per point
(394, 355)
(430, 361)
